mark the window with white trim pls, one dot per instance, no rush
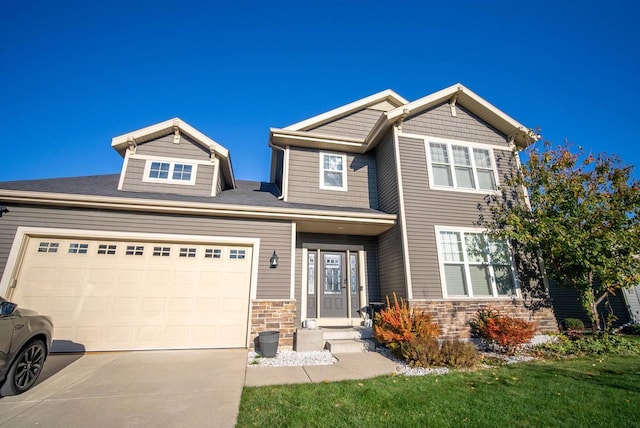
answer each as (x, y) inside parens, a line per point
(475, 265)
(107, 249)
(134, 250)
(76, 248)
(212, 253)
(170, 172)
(458, 166)
(161, 251)
(237, 254)
(333, 169)
(48, 247)
(187, 252)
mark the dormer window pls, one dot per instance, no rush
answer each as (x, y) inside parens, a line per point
(170, 172)
(333, 171)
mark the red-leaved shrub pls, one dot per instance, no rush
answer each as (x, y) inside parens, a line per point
(501, 331)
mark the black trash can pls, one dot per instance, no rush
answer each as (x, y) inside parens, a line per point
(269, 343)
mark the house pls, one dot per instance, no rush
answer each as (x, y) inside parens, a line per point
(376, 197)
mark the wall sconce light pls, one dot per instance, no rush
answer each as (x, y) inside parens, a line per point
(3, 210)
(273, 261)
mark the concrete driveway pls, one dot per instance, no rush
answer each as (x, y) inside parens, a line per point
(194, 388)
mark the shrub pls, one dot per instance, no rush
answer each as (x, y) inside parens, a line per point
(631, 329)
(398, 324)
(427, 352)
(572, 327)
(596, 345)
(505, 333)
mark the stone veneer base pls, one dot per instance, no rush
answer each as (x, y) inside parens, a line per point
(453, 316)
(277, 315)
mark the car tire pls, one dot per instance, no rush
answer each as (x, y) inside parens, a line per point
(25, 369)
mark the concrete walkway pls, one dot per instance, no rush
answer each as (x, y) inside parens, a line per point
(360, 365)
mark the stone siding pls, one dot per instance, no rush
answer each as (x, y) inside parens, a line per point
(278, 315)
(454, 316)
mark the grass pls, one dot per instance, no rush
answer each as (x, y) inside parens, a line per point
(594, 392)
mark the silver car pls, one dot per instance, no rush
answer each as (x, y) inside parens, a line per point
(25, 340)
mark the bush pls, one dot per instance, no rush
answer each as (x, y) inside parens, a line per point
(427, 352)
(631, 329)
(572, 327)
(399, 324)
(502, 332)
(606, 344)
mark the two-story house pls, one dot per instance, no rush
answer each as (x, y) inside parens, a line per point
(376, 197)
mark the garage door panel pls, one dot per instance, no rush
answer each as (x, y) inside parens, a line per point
(131, 299)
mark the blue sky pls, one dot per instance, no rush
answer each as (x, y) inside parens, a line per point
(75, 73)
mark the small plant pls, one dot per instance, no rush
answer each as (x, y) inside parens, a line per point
(572, 327)
(398, 324)
(595, 345)
(459, 354)
(633, 329)
(502, 332)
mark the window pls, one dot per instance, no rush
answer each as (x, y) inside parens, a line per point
(134, 250)
(75, 248)
(311, 273)
(106, 249)
(461, 167)
(212, 253)
(332, 171)
(237, 254)
(475, 265)
(48, 247)
(161, 251)
(170, 172)
(353, 273)
(187, 252)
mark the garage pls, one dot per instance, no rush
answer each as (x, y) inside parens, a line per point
(134, 294)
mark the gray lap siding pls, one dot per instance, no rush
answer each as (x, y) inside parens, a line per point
(273, 235)
(165, 147)
(135, 174)
(304, 180)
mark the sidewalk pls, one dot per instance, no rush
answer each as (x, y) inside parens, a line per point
(360, 365)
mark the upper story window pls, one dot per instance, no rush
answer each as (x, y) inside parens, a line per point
(474, 265)
(170, 172)
(458, 166)
(333, 175)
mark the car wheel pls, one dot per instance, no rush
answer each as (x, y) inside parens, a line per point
(25, 369)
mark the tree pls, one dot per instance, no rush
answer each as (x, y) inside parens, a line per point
(580, 216)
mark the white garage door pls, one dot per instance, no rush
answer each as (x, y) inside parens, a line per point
(120, 295)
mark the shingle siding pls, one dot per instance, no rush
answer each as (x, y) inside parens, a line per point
(465, 126)
(355, 125)
(304, 180)
(272, 283)
(164, 147)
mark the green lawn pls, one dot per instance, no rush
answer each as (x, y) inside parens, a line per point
(586, 392)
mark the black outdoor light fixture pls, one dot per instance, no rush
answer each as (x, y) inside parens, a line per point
(3, 210)
(273, 261)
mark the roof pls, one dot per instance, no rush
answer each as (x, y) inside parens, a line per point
(304, 133)
(247, 199)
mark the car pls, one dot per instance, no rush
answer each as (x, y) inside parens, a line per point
(25, 340)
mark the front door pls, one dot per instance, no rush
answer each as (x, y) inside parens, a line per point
(333, 285)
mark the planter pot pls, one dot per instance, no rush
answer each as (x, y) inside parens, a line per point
(268, 341)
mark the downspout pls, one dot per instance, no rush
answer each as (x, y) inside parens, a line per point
(285, 175)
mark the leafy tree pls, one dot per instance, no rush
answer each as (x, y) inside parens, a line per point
(580, 215)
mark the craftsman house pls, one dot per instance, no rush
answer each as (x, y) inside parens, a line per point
(376, 197)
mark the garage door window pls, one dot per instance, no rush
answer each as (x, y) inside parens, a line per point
(48, 247)
(134, 250)
(75, 248)
(187, 252)
(106, 249)
(161, 251)
(237, 254)
(212, 253)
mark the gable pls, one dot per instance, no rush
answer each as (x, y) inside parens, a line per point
(355, 125)
(438, 121)
(167, 146)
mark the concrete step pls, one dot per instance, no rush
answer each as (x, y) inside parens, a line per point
(347, 346)
(329, 333)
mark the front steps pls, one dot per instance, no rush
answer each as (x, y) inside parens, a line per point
(340, 340)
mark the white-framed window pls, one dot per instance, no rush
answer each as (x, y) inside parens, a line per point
(237, 254)
(187, 252)
(460, 166)
(170, 172)
(212, 253)
(311, 273)
(472, 264)
(48, 247)
(109, 249)
(333, 171)
(76, 248)
(161, 251)
(134, 250)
